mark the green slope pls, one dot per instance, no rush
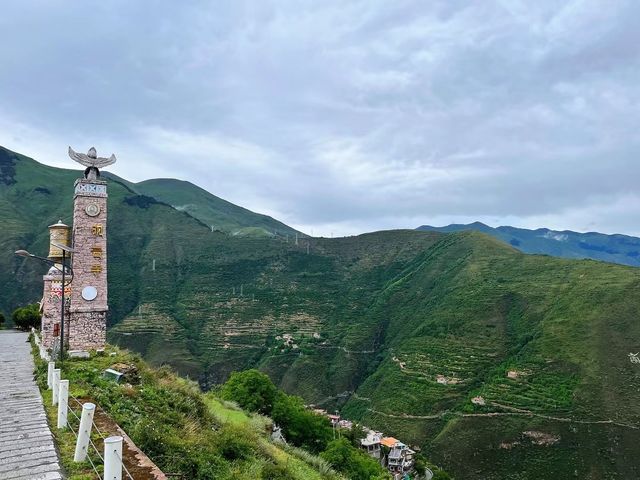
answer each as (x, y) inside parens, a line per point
(617, 248)
(211, 210)
(374, 319)
(473, 309)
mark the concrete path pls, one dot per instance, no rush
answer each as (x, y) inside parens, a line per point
(27, 451)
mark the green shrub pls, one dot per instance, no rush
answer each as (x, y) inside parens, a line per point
(252, 390)
(275, 472)
(352, 462)
(235, 443)
(300, 426)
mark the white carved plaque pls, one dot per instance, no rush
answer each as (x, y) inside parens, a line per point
(89, 293)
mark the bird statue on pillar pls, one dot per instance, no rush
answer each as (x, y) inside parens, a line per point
(92, 162)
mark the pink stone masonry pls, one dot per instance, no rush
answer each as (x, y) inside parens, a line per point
(88, 317)
(50, 307)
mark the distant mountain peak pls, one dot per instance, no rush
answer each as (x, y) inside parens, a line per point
(621, 249)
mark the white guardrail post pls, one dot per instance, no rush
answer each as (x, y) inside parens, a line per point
(63, 402)
(84, 432)
(113, 458)
(50, 368)
(55, 384)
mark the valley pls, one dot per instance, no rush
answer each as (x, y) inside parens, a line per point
(398, 329)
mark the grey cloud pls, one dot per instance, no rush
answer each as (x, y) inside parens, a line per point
(345, 115)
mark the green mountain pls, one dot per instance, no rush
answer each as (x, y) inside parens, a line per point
(397, 329)
(211, 210)
(622, 249)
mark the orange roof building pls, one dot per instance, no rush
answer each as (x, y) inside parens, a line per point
(389, 442)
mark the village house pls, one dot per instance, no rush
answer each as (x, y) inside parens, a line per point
(400, 457)
(371, 443)
(346, 424)
(334, 419)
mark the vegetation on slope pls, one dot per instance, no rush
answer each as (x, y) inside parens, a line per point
(183, 431)
(472, 310)
(301, 427)
(616, 248)
(211, 210)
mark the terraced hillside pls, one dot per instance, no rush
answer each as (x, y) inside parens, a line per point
(471, 311)
(399, 329)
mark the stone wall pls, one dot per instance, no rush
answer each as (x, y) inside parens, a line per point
(88, 313)
(51, 305)
(87, 330)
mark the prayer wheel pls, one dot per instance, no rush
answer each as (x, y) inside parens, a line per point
(58, 233)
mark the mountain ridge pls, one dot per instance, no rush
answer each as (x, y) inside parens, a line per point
(397, 329)
(212, 210)
(615, 248)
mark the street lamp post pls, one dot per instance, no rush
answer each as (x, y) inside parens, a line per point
(65, 249)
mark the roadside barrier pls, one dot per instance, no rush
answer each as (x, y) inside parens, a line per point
(82, 427)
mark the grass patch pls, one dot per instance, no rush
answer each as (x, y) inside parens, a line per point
(182, 430)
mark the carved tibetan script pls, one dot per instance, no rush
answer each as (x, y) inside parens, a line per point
(97, 230)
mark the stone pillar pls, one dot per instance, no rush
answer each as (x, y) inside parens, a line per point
(50, 307)
(52, 295)
(88, 309)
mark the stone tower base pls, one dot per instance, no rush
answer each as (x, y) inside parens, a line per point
(87, 330)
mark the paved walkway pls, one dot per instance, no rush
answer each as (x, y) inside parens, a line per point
(27, 451)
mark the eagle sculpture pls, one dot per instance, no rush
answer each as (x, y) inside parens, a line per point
(92, 162)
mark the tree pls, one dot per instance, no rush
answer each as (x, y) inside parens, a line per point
(352, 462)
(422, 463)
(26, 317)
(2, 319)
(252, 390)
(354, 434)
(300, 426)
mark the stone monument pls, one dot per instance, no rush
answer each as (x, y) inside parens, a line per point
(89, 305)
(52, 295)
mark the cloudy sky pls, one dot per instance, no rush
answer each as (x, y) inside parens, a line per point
(343, 116)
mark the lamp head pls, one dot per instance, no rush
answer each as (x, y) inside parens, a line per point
(22, 253)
